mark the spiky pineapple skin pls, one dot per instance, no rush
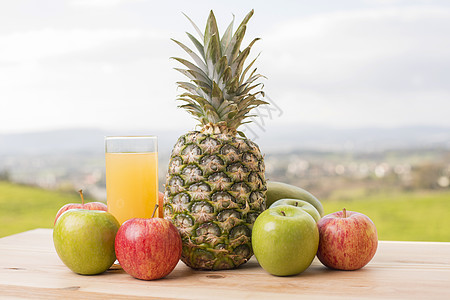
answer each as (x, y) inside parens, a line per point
(215, 189)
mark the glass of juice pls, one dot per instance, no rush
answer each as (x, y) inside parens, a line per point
(131, 176)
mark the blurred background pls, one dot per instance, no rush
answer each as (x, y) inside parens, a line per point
(359, 93)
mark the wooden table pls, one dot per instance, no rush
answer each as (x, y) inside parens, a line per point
(30, 268)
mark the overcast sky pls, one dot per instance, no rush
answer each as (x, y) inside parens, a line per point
(105, 63)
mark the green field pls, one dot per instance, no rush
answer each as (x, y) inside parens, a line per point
(403, 216)
(24, 207)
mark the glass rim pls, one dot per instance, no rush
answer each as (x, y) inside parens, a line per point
(129, 137)
(131, 144)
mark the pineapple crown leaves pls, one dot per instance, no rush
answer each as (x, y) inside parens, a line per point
(219, 90)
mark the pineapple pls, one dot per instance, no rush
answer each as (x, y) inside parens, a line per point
(215, 184)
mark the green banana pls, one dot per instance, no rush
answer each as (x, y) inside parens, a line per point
(280, 190)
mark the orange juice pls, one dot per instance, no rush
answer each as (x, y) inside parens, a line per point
(131, 184)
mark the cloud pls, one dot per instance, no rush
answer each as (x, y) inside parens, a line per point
(99, 77)
(50, 43)
(100, 3)
(380, 67)
(403, 47)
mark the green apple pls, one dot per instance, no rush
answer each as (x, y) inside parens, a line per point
(309, 208)
(285, 239)
(84, 240)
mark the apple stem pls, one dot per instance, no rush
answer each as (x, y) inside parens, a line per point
(344, 211)
(81, 195)
(154, 211)
(282, 212)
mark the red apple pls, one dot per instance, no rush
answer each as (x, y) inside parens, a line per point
(347, 240)
(148, 248)
(82, 205)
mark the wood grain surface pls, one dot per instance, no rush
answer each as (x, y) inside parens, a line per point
(31, 269)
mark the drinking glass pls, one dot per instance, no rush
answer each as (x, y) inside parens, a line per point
(131, 176)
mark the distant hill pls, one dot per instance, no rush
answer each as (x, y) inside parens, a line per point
(271, 140)
(358, 139)
(70, 141)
